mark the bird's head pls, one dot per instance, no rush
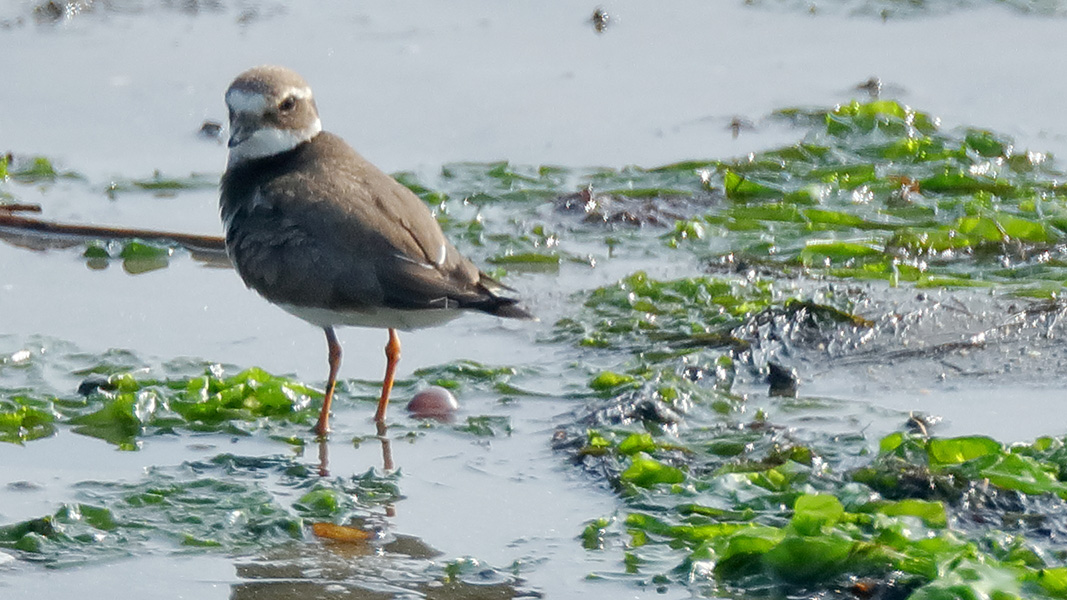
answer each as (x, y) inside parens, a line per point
(271, 111)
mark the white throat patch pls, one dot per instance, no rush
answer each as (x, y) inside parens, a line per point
(268, 141)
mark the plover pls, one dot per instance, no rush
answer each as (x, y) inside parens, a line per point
(327, 236)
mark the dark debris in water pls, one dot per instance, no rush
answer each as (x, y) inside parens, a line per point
(600, 20)
(897, 9)
(211, 130)
(654, 208)
(51, 12)
(783, 380)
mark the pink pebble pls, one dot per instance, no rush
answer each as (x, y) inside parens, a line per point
(434, 402)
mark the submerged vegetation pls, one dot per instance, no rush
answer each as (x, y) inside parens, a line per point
(224, 503)
(734, 503)
(722, 489)
(124, 407)
(878, 191)
(748, 509)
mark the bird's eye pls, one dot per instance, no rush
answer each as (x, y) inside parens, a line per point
(288, 104)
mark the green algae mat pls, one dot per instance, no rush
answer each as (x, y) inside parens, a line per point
(800, 255)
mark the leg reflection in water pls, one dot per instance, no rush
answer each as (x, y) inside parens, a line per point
(387, 458)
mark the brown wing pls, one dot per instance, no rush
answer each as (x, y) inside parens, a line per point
(375, 243)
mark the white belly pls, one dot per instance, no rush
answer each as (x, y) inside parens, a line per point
(380, 318)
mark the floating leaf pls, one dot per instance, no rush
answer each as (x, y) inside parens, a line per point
(954, 451)
(340, 533)
(644, 472)
(22, 422)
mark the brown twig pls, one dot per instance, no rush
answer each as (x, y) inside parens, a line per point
(49, 229)
(10, 208)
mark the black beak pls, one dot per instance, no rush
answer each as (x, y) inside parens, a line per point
(241, 128)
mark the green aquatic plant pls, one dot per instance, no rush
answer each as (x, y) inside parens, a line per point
(228, 504)
(137, 256)
(32, 170)
(161, 184)
(779, 515)
(874, 190)
(123, 405)
(23, 418)
(35, 170)
(878, 190)
(715, 492)
(662, 320)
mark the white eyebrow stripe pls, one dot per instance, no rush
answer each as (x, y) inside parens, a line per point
(245, 102)
(303, 93)
(442, 255)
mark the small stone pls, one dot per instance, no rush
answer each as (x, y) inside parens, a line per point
(600, 20)
(24, 486)
(94, 383)
(434, 402)
(783, 380)
(211, 130)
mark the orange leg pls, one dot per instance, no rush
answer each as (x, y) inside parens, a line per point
(323, 426)
(392, 357)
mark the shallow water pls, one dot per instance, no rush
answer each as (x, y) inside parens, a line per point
(121, 90)
(530, 84)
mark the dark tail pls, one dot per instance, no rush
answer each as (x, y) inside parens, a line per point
(500, 306)
(509, 309)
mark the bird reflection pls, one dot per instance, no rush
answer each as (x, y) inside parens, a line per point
(387, 451)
